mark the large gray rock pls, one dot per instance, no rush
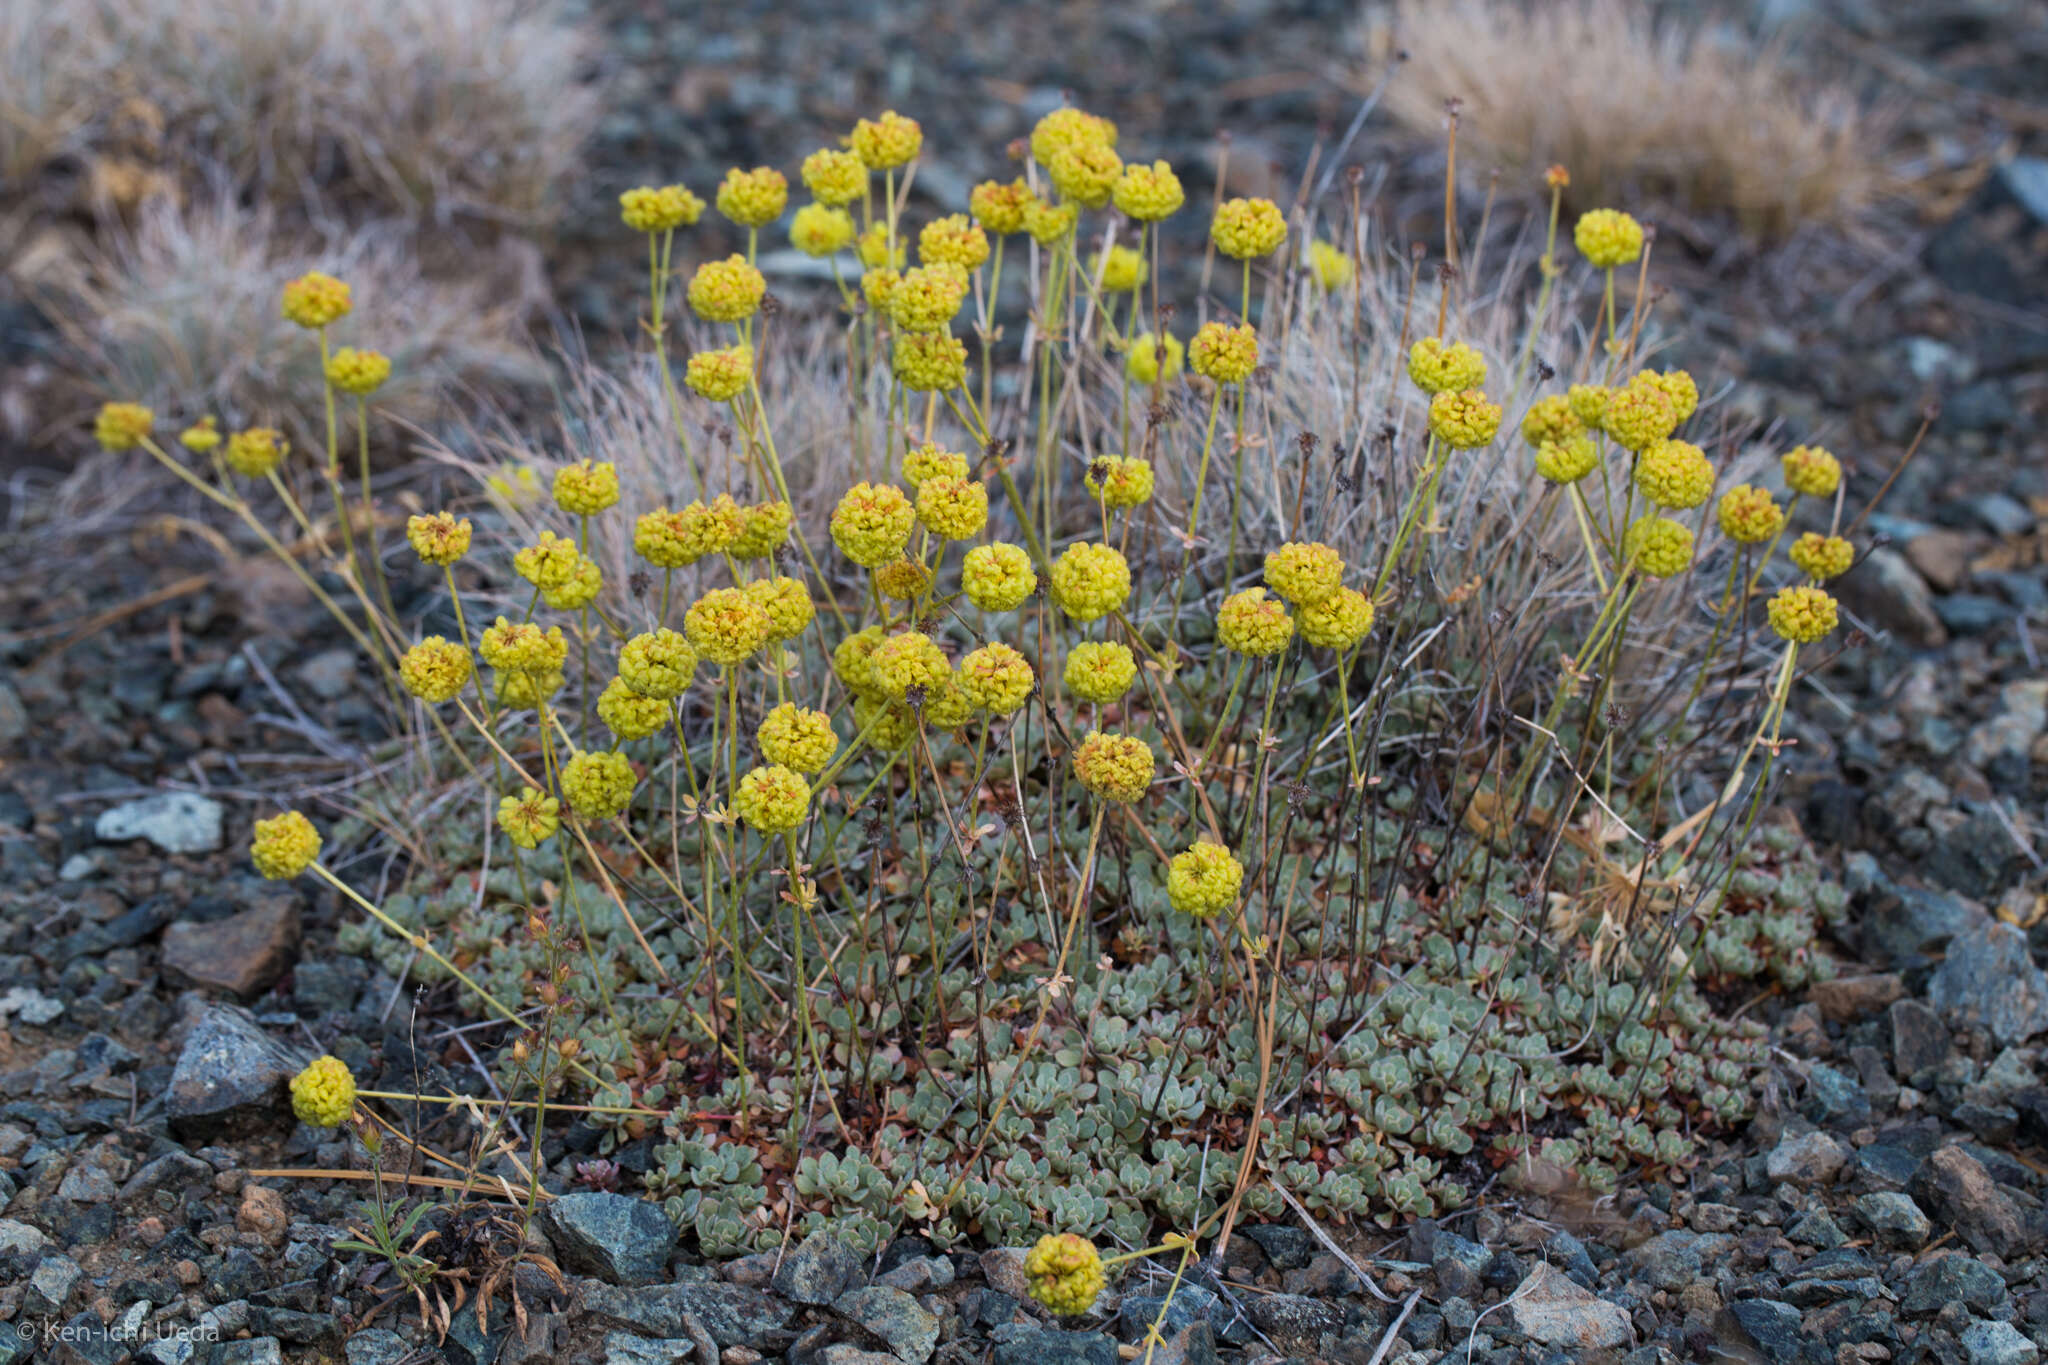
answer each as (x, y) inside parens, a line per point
(1955, 1188)
(1990, 979)
(243, 954)
(1549, 1307)
(900, 1321)
(232, 1078)
(616, 1238)
(1053, 1347)
(731, 1314)
(1998, 1343)
(818, 1269)
(176, 822)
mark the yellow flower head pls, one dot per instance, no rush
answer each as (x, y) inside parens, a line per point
(324, 1093)
(255, 452)
(1822, 557)
(1149, 193)
(926, 298)
(1551, 419)
(1588, 402)
(1339, 621)
(764, 527)
(284, 845)
(1114, 767)
(998, 577)
(313, 300)
(121, 426)
(948, 708)
(871, 524)
(1608, 237)
(549, 563)
(1254, 624)
(1568, 459)
(1069, 127)
(928, 362)
(1119, 481)
(1245, 228)
(358, 372)
(726, 291)
(1048, 222)
(1143, 364)
(597, 784)
(586, 488)
(1204, 880)
(877, 285)
(1675, 475)
(1439, 368)
(721, 375)
(659, 538)
(1464, 420)
(523, 647)
(772, 799)
(911, 659)
(1679, 387)
(658, 663)
(726, 626)
(1064, 1272)
(999, 208)
(1100, 672)
(788, 604)
(954, 240)
(529, 819)
(1224, 353)
(753, 198)
(951, 508)
(894, 724)
(662, 209)
(1802, 615)
(798, 738)
(888, 141)
(201, 437)
(1749, 516)
(1090, 581)
(1812, 471)
(1659, 546)
(1085, 173)
(902, 580)
(435, 670)
(1638, 416)
(671, 540)
(524, 691)
(438, 537)
(1121, 269)
(822, 229)
(873, 249)
(835, 178)
(1331, 265)
(629, 714)
(1304, 572)
(853, 659)
(930, 461)
(997, 679)
(580, 591)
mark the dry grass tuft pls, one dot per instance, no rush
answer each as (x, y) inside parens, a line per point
(182, 314)
(1634, 106)
(414, 106)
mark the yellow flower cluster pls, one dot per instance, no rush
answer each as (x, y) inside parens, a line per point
(598, 784)
(1608, 237)
(871, 524)
(522, 647)
(834, 178)
(324, 1093)
(887, 142)
(874, 250)
(797, 737)
(121, 426)
(1064, 1272)
(727, 626)
(902, 580)
(1331, 265)
(927, 297)
(721, 375)
(1119, 481)
(1069, 127)
(1812, 470)
(999, 208)
(629, 714)
(672, 540)
(1090, 581)
(1439, 368)
(772, 799)
(435, 670)
(1304, 572)
(1254, 624)
(1143, 363)
(1121, 270)
(1675, 475)
(1204, 880)
(1588, 402)
(1100, 671)
(1245, 228)
(954, 240)
(1803, 614)
(438, 538)
(753, 198)
(1567, 460)
(910, 659)
(358, 372)
(1050, 223)
(928, 362)
(726, 291)
(788, 604)
(529, 819)
(663, 209)
(254, 452)
(284, 845)
(1224, 353)
(1085, 173)
(1339, 621)
(587, 487)
(764, 528)
(549, 562)
(199, 438)
(998, 576)
(1114, 767)
(1659, 546)
(953, 508)
(1464, 420)
(930, 461)
(314, 300)
(1550, 419)
(1748, 515)
(1149, 193)
(1638, 415)
(996, 678)
(822, 229)
(580, 590)
(1822, 557)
